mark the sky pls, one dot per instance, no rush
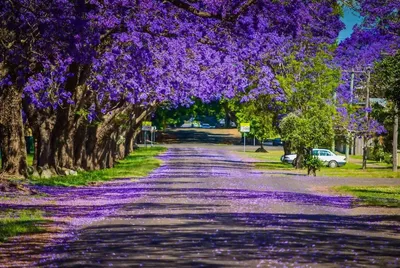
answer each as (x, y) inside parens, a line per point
(350, 19)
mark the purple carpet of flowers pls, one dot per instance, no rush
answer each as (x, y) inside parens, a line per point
(208, 207)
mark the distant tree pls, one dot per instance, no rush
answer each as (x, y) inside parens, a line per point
(387, 77)
(309, 86)
(261, 115)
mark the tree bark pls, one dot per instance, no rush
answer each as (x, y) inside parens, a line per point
(365, 152)
(286, 147)
(300, 158)
(12, 138)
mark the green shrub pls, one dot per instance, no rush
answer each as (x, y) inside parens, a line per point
(388, 158)
(313, 163)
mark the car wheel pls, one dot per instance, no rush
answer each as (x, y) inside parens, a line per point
(332, 164)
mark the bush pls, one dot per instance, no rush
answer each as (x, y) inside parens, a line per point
(388, 158)
(313, 163)
(376, 153)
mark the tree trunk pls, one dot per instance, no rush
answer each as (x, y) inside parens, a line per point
(129, 141)
(88, 154)
(365, 152)
(286, 147)
(311, 171)
(80, 139)
(300, 159)
(395, 137)
(12, 138)
(44, 145)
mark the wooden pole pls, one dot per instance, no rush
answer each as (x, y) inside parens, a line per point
(395, 137)
(365, 141)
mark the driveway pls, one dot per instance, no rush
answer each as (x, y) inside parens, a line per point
(207, 207)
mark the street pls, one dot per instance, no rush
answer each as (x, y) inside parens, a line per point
(208, 207)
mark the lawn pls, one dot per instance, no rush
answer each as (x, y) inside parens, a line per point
(139, 164)
(271, 161)
(29, 159)
(388, 196)
(17, 222)
(352, 170)
(271, 156)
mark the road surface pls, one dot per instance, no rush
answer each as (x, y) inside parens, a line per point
(206, 207)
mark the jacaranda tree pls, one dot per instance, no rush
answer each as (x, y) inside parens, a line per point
(83, 74)
(375, 39)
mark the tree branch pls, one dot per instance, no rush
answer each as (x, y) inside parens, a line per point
(193, 10)
(242, 10)
(203, 14)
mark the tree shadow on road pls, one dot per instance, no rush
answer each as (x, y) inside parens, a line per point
(181, 239)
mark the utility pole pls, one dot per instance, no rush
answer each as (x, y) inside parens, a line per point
(395, 136)
(348, 137)
(365, 141)
(334, 136)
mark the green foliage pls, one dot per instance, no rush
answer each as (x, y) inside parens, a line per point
(312, 162)
(82, 112)
(307, 132)
(262, 120)
(309, 86)
(387, 77)
(139, 164)
(385, 115)
(377, 154)
(16, 222)
(387, 196)
(167, 115)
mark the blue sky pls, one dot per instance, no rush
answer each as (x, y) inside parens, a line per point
(350, 19)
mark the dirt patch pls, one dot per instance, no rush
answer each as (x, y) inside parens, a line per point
(325, 190)
(13, 188)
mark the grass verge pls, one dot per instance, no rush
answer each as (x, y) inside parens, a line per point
(17, 222)
(139, 164)
(271, 161)
(387, 196)
(354, 171)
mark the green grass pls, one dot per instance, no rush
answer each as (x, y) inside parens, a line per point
(271, 161)
(274, 166)
(355, 171)
(139, 164)
(387, 196)
(29, 159)
(271, 156)
(17, 222)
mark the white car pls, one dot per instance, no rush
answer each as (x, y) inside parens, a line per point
(330, 159)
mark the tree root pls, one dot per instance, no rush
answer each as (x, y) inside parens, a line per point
(15, 187)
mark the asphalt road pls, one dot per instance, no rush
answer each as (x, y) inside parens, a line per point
(207, 207)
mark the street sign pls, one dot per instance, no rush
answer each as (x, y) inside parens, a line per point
(244, 127)
(146, 126)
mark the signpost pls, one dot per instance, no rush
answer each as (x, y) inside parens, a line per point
(146, 126)
(244, 128)
(153, 135)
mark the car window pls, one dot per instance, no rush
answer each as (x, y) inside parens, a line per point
(315, 152)
(323, 153)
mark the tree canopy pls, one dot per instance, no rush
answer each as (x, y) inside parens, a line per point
(83, 73)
